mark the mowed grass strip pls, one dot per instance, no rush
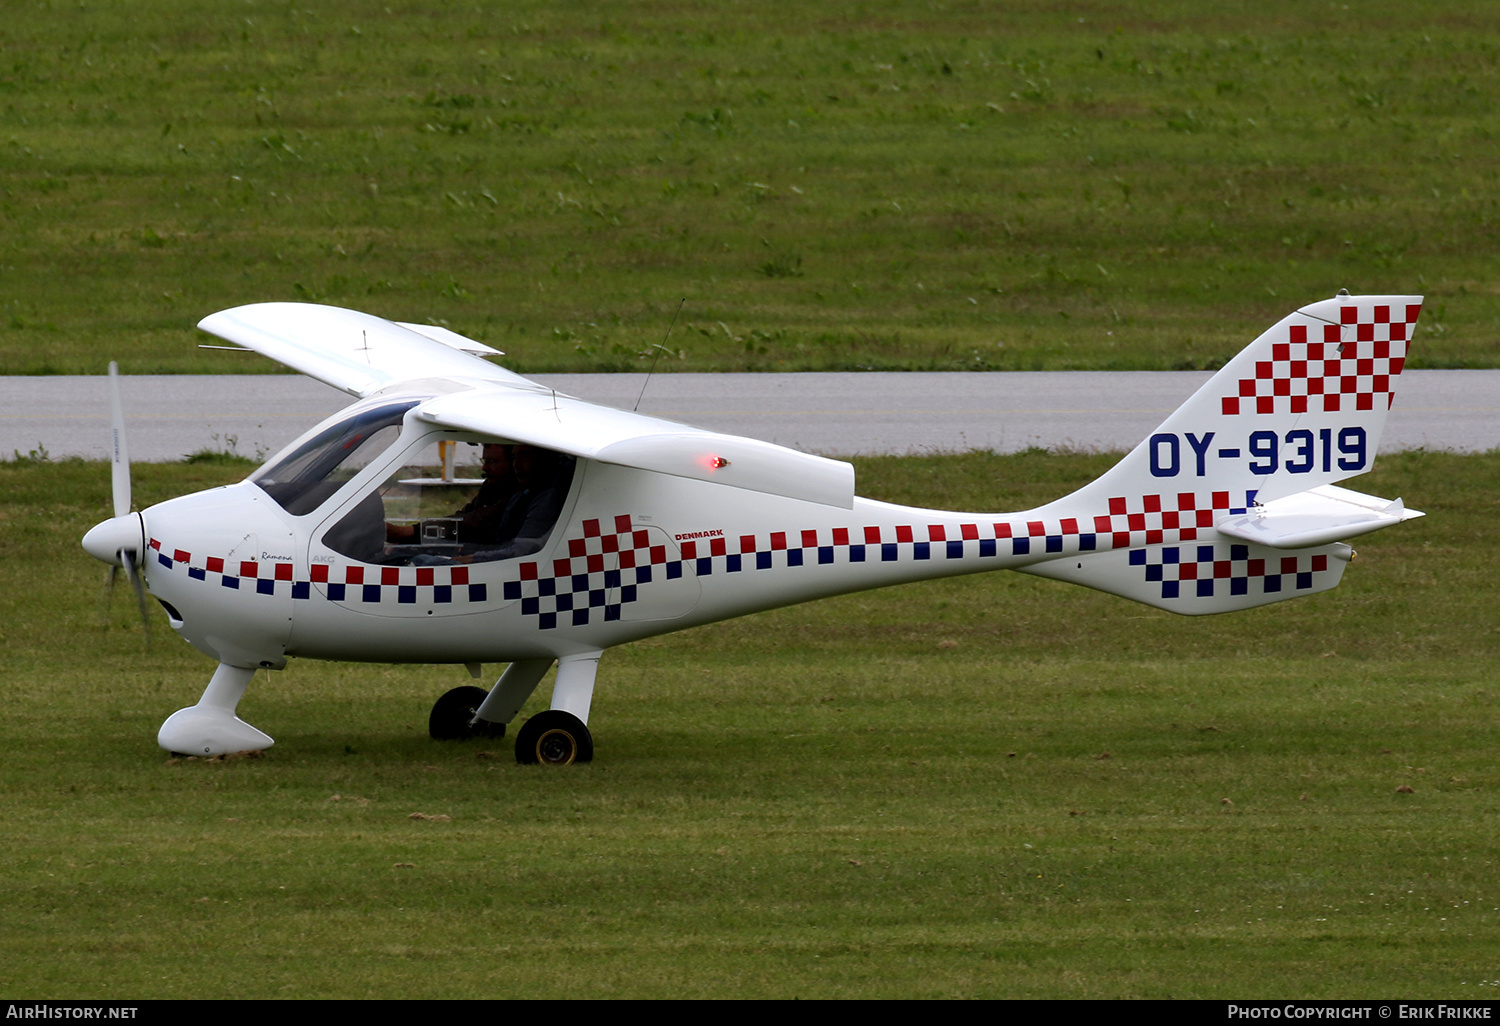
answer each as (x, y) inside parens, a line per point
(1015, 187)
(993, 786)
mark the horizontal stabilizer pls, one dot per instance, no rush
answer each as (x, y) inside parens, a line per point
(1315, 517)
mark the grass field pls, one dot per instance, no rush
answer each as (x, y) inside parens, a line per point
(991, 787)
(988, 787)
(910, 185)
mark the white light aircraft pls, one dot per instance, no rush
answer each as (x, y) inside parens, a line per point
(596, 527)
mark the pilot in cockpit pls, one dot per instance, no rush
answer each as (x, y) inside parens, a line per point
(479, 521)
(512, 514)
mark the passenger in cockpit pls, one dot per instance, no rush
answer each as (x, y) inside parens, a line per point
(542, 478)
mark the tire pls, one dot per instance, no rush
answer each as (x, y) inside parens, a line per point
(554, 738)
(451, 715)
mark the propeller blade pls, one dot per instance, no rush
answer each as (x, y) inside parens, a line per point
(120, 466)
(133, 572)
(117, 541)
(109, 596)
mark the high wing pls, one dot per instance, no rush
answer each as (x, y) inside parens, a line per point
(556, 421)
(354, 352)
(362, 354)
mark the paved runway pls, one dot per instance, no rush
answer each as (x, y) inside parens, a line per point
(168, 417)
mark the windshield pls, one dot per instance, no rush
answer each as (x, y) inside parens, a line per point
(302, 479)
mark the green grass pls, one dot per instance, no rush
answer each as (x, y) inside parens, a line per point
(1017, 186)
(993, 786)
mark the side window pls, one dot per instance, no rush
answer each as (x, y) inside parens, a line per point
(453, 502)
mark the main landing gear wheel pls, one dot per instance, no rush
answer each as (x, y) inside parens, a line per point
(554, 738)
(451, 716)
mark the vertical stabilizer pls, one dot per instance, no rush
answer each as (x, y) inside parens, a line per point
(1303, 405)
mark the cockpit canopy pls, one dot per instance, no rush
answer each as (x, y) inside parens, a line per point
(429, 508)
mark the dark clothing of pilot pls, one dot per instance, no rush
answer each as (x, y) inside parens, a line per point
(482, 519)
(532, 512)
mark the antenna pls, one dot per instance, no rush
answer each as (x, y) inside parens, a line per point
(660, 348)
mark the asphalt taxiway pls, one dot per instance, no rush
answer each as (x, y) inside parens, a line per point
(841, 414)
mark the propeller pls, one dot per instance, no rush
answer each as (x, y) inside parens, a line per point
(119, 541)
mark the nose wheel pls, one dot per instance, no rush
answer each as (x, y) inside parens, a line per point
(554, 738)
(452, 716)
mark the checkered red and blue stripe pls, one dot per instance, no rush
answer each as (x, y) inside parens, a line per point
(613, 559)
(1207, 571)
(355, 582)
(1347, 366)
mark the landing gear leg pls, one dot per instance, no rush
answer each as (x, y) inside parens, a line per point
(211, 727)
(513, 689)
